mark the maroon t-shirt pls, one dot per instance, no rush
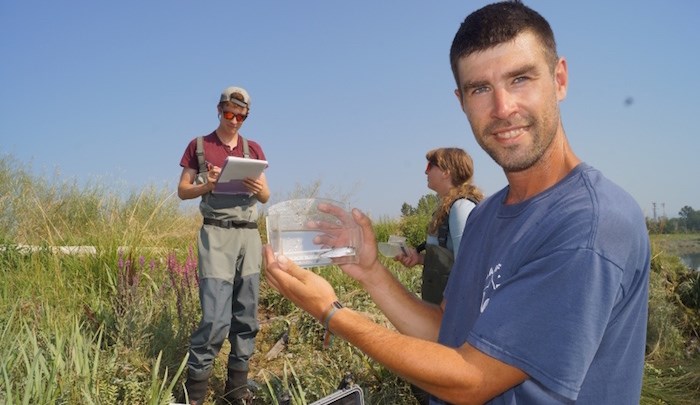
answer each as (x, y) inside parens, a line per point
(216, 152)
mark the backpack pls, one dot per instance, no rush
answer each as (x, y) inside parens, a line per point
(437, 264)
(202, 173)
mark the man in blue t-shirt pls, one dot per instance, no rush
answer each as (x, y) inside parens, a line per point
(559, 291)
(547, 300)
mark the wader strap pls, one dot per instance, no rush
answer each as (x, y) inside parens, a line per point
(200, 155)
(246, 150)
(230, 224)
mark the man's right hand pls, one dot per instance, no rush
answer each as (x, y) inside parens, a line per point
(213, 174)
(356, 230)
(304, 288)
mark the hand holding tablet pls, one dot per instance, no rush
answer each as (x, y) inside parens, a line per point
(234, 171)
(394, 247)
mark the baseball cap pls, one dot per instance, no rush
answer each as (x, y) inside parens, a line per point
(226, 96)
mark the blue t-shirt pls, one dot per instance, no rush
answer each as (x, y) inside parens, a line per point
(556, 286)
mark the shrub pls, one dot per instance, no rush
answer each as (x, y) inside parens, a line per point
(415, 228)
(384, 228)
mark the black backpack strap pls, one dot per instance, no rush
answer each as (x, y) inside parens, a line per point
(200, 155)
(444, 232)
(444, 229)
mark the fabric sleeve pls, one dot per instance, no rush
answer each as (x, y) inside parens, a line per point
(458, 217)
(548, 317)
(256, 150)
(189, 157)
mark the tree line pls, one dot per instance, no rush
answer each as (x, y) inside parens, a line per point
(688, 221)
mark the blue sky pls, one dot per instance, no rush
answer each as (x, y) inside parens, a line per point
(348, 93)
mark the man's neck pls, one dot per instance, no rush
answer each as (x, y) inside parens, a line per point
(229, 138)
(554, 165)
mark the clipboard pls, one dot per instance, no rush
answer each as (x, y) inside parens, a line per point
(233, 172)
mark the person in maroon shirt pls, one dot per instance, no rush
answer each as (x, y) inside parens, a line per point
(229, 251)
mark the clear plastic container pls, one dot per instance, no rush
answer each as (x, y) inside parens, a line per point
(309, 237)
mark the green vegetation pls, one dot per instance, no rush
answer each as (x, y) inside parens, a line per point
(688, 221)
(113, 326)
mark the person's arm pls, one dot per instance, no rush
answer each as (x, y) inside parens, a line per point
(408, 313)
(312, 293)
(187, 189)
(404, 309)
(410, 258)
(461, 376)
(458, 218)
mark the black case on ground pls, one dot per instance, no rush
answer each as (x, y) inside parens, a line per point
(347, 396)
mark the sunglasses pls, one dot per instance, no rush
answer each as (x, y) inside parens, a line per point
(229, 116)
(430, 166)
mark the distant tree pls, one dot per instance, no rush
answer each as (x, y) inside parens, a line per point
(427, 204)
(672, 226)
(407, 210)
(689, 218)
(694, 221)
(653, 226)
(685, 212)
(414, 221)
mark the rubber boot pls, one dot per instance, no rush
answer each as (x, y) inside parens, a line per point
(236, 391)
(196, 390)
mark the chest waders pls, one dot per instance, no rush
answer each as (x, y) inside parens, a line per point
(229, 260)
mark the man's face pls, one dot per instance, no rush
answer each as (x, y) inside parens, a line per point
(511, 99)
(231, 116)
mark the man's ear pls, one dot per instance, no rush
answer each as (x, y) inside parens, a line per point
(458, 94)
(561, 78)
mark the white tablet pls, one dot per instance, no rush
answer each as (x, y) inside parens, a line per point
(234, 171)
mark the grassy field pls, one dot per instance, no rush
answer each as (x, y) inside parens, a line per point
(113, 327)
(677, 244)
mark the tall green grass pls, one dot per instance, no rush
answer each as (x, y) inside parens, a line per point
(114, 327)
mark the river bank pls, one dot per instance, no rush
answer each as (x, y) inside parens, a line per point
(677, 244)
